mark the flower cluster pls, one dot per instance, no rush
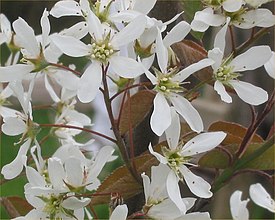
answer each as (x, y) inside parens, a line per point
(121, 44)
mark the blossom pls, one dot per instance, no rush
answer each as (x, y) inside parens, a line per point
(103, 51)
(260, 196)
(241, 16)
(23, 124)
(168, 82)
(226, 70)
(238, 207)
(157, 200)
(176, 157)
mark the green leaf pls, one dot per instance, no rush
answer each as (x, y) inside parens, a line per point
(190, 7)
(220, 159)
(216, 158)
(136, 108)
(263, 162)
(121, 181)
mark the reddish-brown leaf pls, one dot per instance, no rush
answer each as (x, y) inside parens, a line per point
(140, 105)
(121, 181)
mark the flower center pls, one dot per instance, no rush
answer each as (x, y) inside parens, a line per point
(225, 73)
(166, 83)
(237, 16)
(175, 159)
(53, 205)
(102, 51)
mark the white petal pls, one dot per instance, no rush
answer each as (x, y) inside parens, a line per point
(73, 203)
(220, 89)
(158, 182)
(162, 53)
(66, 79)
(195, 216)
(249, 93)
(173, 131)
(102, 158)
(261, 197)
(74, 172)
(8, 112)
(232, 5)
(5, 27)
(188, 112)
(199, 26)
(14, 168)
(146, 185)
(177, 33)
(14, 72)
(45, 24)
(126, 67)
(250, 59)
(34, 178)
(186, 72)
(70, 46)
(174, 191)
(79, 117)
(56, 172)
(144, 6)
(217, 55)
(160, 158)
(95, 26)
(202, 143)
(196, 184)
(50, 90)
(220, 37)
(78, 31)
(238, 207)
(26, 37)
(120, 213)
(14, 126)
(161, 116)
(205, 18)
(270, 66)
(159, 211)
(65, 8)
(130, 33)
(150, 76)
(89, 83)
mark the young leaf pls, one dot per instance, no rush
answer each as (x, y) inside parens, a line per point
(121, 181)
(139, 104)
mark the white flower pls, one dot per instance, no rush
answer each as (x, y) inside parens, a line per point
(119, 213)
(91, 167)
(226, 70)
(168, 83)
(176, 157)
(48, 194)
(240, 15)
(238, 207)
(157, 200)
(260, 196)
(20, 124)
(103, 52)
